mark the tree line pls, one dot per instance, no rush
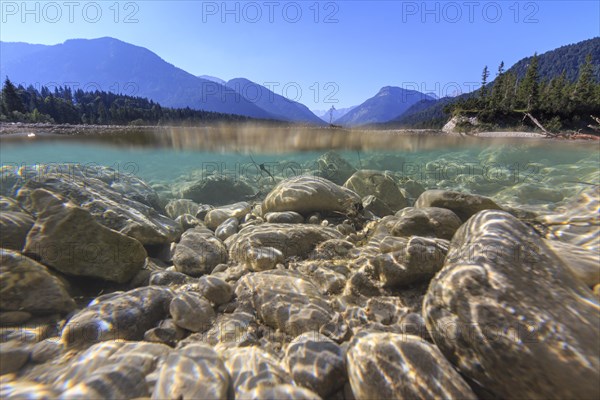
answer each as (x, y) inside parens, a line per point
(557, 102)
(65, 106)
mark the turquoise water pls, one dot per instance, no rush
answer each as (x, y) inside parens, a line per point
(523, 173)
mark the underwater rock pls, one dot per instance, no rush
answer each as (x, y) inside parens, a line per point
(462, 204)
(378, 184)
(118, 201)
(333, 167)
(285, 301)
(409, 260)
(214, 289)
(426, 221)
(192, 311)
(391, 366)
(70, 240)
(122, 316)
(217, 190)
(26, 285)
(178, 207)
(166, 332)
(228, 228)
(285, 217)
(262, 246)
(13, 356)
(582, 262)
(316, 362)
(251, 368)
(14, 227)
(306, 194)
(198, 252)
(192, 372)
(217, 216)
(376, 206)
(168, 278)
(507, 312)
(188, 221)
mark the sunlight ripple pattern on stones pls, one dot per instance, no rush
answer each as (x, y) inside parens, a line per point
(192, 372)
(122, 316)
(508, 313)
(390, 366)
(116, 200)
(306, 194)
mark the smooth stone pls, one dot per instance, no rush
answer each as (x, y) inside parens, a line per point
(582, 262)
(306, 194)
(285, 301)
(251, 368)
(167, 332)
(27, 286)
(427, 221)
(119, 201)
(70, 240)
(376, 206)
(191, 311)
(261, 247)
(281, 392)
(13, 355)
(217, 216)
(25, 389)
(228, 228)
(178, 207)
(414, 188)
(192, 372)
(335, 168)
(188, 221)
(409, 260)
(378, 184)
(14, 227)
(217, 190)
(168, 278)
(123, 316)
(392, 366)
(111, 369)
(198, 252)
(464, 205)
(123, 381)
(510, 314)
(316, 362)
(284, 217)
(215, 289)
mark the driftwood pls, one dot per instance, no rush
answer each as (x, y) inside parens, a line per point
(539, 125)
(596, 128)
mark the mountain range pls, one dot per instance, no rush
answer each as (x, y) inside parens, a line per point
(112, 65)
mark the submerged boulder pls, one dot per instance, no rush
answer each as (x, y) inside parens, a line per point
(506, 310)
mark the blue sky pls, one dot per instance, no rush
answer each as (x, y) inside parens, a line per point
(320, 53)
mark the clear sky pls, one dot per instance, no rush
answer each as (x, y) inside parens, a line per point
(319, 53)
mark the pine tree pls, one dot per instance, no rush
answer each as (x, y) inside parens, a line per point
(584, 88)
(483, 91)
(529, 88)
(498, 90)
(10, 98)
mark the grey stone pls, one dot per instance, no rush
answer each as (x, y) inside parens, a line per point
(228, 228)
(306, 194)
(281, 392)
(378, 184)
(427, 221)
(509, 313)
(317, 363)
(192, 372)
(122, 316)
(69, 239)
(215, 289)
(168, 278)
(335, 168)
(217, 216)
(191, 311)
(392, 366)
(462, 204)
(284, 217)
(14, 227)
(376, 206)
(28, 286)
(13, 355)
(178, 207)
(116, 200)
(198, 252)
(217, 190)
(166, 332)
